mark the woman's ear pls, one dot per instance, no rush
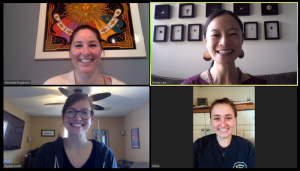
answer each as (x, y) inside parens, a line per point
(204, 40)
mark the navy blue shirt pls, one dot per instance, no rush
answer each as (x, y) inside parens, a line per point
(53, 155)
(207, 153)
(90, 163)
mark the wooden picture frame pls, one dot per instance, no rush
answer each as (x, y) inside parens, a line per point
(160, 33)
(250, 30)
(241, 8)
(138, 52)
(194, 32)
(269, 9)
(212, 7)
(162, 12)
(271, 30)
(177, 31)
(187, 10)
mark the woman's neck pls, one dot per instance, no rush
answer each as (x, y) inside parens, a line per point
(224, 74)
(82, 78)
(224, 142)
(76, 143)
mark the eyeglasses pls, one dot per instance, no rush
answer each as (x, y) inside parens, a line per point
(84, 114)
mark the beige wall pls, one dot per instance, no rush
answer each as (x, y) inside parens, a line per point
(213, 93)
(15, 156)
(138, 118)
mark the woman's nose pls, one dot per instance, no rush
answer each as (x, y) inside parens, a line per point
(224, 41)
(85, 49)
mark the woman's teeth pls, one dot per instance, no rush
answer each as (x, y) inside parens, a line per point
(77, 125)
(85, 61)
(223, 129)
(225, 51)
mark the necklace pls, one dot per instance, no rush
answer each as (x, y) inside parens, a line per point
(225, 151)
(210, 78)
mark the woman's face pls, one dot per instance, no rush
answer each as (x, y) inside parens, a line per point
(224, 39)
(85, 51)
(223, 120)
(85, 124)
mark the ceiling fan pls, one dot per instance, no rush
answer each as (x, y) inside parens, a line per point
(94, 97)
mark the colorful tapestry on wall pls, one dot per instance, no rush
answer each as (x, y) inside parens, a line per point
(113, 20)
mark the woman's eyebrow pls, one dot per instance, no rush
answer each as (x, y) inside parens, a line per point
(228, 29)
(225, 115)
(92, 41)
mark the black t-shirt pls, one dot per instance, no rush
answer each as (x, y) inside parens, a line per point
(90, 163)
(207, 153)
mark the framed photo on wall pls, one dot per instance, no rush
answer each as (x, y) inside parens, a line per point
(101, 135)
(212, 7)
(194, 32)
(135, 138)
(162, 11)
(269, 9)
(241, 8)
(160, 33)
(251, 30)
(177, 32)
(271, 30)
(119, 26)
(48, 133)
(187, 10)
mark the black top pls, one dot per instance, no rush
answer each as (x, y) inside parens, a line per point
(207, 153)
(90, 163)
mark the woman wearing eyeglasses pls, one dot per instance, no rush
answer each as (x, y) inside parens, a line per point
(76, 151)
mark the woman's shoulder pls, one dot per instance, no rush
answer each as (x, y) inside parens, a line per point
(206, 138)
(114, 81)
(65, 79)
(250, 79)
(196, 79)
(241, 140)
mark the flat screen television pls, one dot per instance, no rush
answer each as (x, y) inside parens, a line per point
(13, 128)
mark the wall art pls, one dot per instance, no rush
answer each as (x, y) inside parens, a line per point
(119, 25)
(194, 32)
(160, 33)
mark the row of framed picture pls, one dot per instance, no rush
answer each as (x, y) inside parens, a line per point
(187, 10)
(194, 32)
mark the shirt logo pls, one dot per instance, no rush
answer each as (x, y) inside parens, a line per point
(239, 165)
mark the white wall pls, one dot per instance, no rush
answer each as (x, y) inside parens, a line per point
(262, 57)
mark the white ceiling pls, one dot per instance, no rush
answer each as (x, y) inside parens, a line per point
(31, 100)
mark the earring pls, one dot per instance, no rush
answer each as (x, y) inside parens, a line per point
(242, 54)
(206, 56)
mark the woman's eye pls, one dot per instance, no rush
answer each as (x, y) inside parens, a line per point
(233, 34)
(215, 35)
(77, 45)
(228, 118)
(93, 45)
(216, 118)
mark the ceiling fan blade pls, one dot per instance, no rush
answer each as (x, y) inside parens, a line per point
(64, 91)
(97, 107)
(100, 96)
(54, 103)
